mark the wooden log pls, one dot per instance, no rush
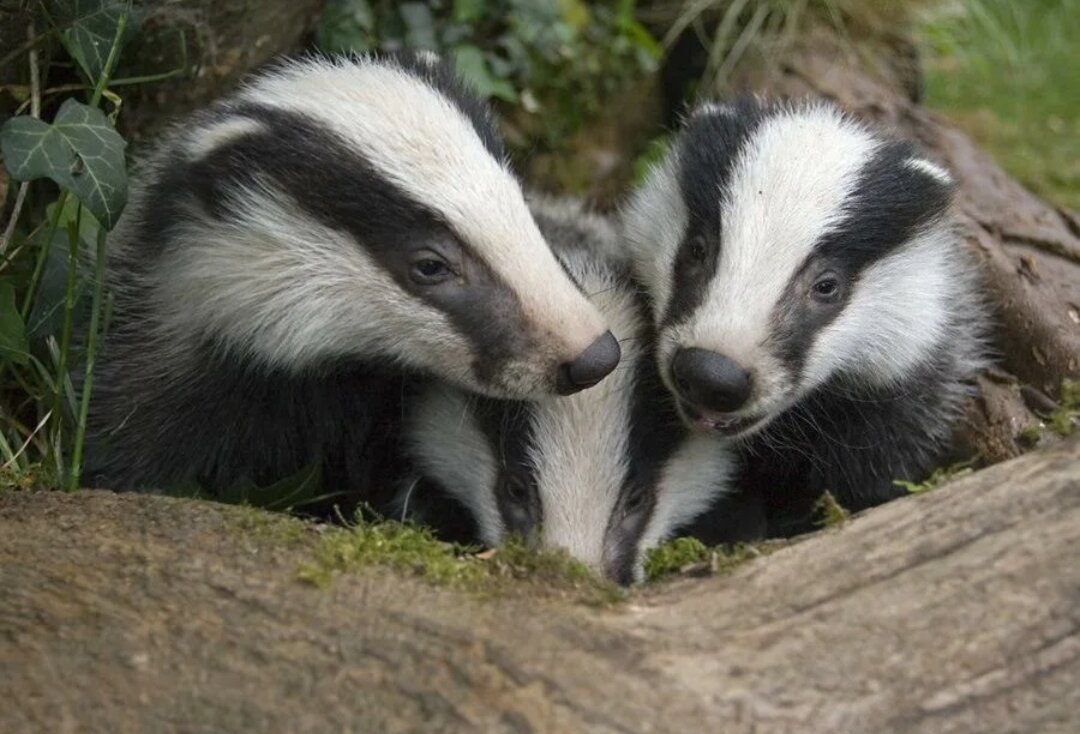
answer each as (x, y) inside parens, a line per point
(957, 610)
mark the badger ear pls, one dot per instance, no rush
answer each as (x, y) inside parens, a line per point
(713, 109)
(935, 171)
(428, 58)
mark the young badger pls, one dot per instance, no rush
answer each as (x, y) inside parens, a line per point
(289, 250)
(811, 298)
(606, 474)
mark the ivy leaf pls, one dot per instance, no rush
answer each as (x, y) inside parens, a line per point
(47, 314)
(473, 67)
(88, 28)
(13, 345)
(80, 151)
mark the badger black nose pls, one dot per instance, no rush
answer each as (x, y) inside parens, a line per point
(710, 380)
(591, 366)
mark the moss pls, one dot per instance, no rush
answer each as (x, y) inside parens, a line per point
(828, 513)
(32, 477)
(1065, 418)
(683, 554)
(272, 526)
(941, 475)
(672, 557)
(1061, 421)
(414, 550)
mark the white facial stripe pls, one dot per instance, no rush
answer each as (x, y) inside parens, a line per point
(422, 142)
(580, 444)
(318, 295)
(653, 226)
(899, 311)
(204, 141)
(787, 190)
(461, 459)
(696, 476)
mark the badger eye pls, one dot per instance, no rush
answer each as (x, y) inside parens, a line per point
(430, 270)
(516, 490)
(826, 289)
(699, 249)
(634, 502)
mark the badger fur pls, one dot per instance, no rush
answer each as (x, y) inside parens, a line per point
(290, 252)
(605, 474)
(812, 300)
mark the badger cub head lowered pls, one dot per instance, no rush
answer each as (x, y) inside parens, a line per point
(605, 474)
(789, 248)
(361, 208)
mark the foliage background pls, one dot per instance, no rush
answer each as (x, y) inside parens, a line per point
(568, 77)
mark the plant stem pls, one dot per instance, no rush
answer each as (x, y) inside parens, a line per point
(35, 111)
(43, 255)
(96, 328)
(110, 62)
(65, 333)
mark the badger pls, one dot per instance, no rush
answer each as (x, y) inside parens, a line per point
(605, 474)
(812, 299)
(291, 254)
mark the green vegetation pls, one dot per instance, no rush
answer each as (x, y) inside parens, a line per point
(941, 475)
(69, 181)
(413, 550)
(680, 554)
(828, 512)
(1062, 421)
(1006, 72)
(555, 61)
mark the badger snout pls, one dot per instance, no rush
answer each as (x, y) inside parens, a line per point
(709, 380)
(590, 367)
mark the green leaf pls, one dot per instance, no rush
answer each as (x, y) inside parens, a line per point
(419, 26)
(80, 151)
(47, 313)
(467, 11)
(473, 67)
(346, 26)
(88, 28)
(13, 345)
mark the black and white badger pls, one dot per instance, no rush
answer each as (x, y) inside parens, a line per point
(606, 474)
(812, 300)
(287, 252)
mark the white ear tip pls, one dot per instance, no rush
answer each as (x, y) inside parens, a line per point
(428, 57)
(709, 109)
(931, 169)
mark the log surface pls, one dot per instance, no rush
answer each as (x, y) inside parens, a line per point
(957, 610)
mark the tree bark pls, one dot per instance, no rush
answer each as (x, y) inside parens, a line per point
(213, 43)
(957, 610)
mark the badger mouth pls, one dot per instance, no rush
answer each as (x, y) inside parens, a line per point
(725, 424)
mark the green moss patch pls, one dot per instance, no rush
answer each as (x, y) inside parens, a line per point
(689, 555)
(1062, 421)
(413, 550)
(828, 512)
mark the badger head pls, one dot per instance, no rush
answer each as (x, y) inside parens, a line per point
(362, 208)
(787, 248)
(605, 474)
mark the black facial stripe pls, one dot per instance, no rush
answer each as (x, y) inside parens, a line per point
(707, 150)
(337, 185)
(507, 425)
(442, 78)
(656, 431)
(892, 200)
(798, 321)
